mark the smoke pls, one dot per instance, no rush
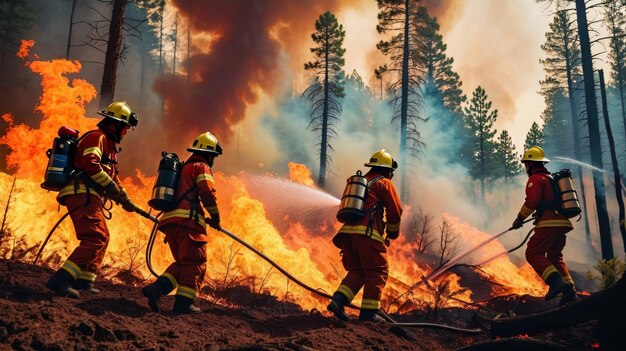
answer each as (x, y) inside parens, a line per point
(243, 60)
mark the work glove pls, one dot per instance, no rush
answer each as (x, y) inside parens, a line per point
(127, 204)
(214, 222)
(114, 192)
(517, 223)
(393, 235)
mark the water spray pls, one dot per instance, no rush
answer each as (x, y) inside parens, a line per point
(580, 163)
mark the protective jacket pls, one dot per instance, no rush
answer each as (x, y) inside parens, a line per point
(197, 185)
(382, 201)
(96, 157)
(538, 194)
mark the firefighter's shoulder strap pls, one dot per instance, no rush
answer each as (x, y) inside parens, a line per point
(372, 210)
(556, 203)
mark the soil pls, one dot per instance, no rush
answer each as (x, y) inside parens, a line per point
(118, 318)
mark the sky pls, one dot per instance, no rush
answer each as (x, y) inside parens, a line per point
(495, 44)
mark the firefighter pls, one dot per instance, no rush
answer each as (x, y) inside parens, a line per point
(544, 251)
(185, 228)
(85, 196)
(363, 243)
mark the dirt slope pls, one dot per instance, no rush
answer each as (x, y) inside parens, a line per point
(119, 319)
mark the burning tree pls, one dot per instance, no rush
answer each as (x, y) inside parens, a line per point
(327, 87)
(403, 19)
(419, 229)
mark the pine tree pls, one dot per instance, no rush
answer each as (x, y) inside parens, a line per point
(563, 67)
(401, 18)
(442, 90)
(479, 120)
(534, 137)
(508, 159)
(327, 88)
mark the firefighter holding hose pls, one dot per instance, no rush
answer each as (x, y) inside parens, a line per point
(363, 240)
(544, 251)
(96, 181)
(185, 228)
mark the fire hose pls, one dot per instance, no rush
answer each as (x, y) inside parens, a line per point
(56, 225)
(318, 292)
(451, 263)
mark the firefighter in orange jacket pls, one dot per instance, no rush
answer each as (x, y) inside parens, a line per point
(544, 251)
(185, 228)
(97, 180)
(363, 242)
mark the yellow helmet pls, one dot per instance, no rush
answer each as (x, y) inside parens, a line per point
(534, 154)
(382, 158)
(120, 111)
(206, 142)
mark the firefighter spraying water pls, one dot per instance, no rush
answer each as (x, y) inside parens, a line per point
(554, 200)
(182, 191)
(367, 201)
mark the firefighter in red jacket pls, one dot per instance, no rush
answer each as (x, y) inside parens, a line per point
(544, 251)
(363, 242)
(185, 228)
(97, 180)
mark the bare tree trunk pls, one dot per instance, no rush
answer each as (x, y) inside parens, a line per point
(112, 56)
(175, 43)
(616, 173)
(188, 51)
(69, 35)
(404, 190)
(594, 131)
(322, 176)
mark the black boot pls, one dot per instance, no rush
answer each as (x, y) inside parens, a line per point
(154, 291)
(569, 295)
(557, 285)
(184, 305)
(336, 306)
(85, 285)
(61, 283)
(367, 315)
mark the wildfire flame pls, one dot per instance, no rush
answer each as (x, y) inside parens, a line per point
(302, 248)
(298, 173)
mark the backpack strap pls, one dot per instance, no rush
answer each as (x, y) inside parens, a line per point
(372, 210)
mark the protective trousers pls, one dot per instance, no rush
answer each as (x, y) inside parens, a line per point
(365, 260)
(187, 272)
(544, 252)
(91, 229)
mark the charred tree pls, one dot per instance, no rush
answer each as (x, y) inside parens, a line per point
(616, 173)
(113, 53)
(402, 19)
(594, 131)
(174, 38)
(69, 34)
(327, 88)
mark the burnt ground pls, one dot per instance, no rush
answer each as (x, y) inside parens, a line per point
(119, 319)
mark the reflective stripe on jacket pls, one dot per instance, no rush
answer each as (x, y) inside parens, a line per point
(189, 213)
(383, 194)
(92, 149)
(538, 190)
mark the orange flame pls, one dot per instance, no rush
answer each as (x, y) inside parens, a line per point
(299, 173)
(25, 48)
(301, 249)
